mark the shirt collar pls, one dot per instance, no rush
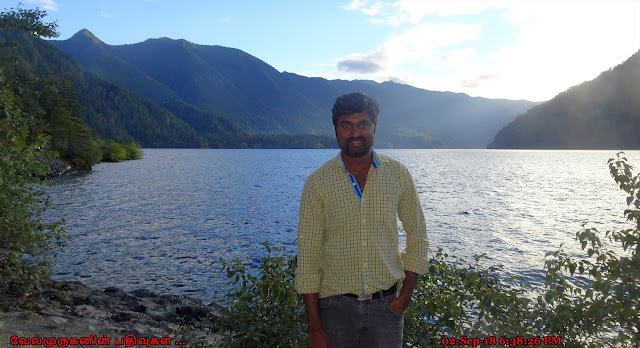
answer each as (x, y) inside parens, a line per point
(337, 161)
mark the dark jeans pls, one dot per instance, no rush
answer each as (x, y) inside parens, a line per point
(352, 323)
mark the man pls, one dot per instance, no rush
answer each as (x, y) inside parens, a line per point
(350, 268)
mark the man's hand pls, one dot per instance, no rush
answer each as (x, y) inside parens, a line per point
(400, 304)
(319, 339)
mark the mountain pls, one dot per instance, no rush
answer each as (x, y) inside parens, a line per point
(189, 79)
(221, 80)
(603, 113)
(112, 111)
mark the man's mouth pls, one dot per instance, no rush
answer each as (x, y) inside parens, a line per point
(356, 141)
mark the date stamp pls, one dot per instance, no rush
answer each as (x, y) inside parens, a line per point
(518, 341)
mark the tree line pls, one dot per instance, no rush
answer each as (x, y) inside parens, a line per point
(40, 118)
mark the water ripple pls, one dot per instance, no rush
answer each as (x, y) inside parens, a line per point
(160, 221)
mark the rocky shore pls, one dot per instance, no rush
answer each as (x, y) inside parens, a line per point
(67, 310)
(56, 167)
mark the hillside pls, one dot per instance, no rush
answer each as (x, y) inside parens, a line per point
(230, 83)
(111, 111)
(603, 113)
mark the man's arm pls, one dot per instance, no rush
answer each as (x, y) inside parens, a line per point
(416, 256)
(308, 276)
(317, 336)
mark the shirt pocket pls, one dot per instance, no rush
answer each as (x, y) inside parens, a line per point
(384, 206)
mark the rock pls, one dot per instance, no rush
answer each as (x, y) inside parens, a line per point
(72, 308)
(55, 321)
(56, 166)
(115, 292)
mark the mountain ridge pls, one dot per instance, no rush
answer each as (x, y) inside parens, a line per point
(602, 113)
(230, 83)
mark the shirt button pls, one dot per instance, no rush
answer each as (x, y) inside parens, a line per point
(365, 265)
(364, 221)
(364, 243)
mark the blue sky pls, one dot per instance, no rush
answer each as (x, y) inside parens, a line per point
(515, 49)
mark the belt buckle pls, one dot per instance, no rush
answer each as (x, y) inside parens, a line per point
(364, 297)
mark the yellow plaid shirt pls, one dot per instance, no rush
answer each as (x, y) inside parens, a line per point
(348, 243)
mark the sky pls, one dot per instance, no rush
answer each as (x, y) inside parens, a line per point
(516, 49)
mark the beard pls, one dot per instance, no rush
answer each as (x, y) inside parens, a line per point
(350, 151)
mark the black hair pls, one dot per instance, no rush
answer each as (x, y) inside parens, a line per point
(352, 103)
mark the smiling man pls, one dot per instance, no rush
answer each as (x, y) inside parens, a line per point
(355, 281)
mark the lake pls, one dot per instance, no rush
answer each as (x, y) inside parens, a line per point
(160, 221)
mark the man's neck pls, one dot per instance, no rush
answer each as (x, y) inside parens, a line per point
(358, 164)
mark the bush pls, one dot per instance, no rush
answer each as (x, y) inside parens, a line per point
(263, 310)
(133, 151)
(114, 152)
(25, 241)
(457, 298)
(603, 308)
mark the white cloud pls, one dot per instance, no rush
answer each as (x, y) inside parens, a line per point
(555, 45)
(49, 5)
(104, 13)
(419, 45)
(224, 20)
(566, 44)
(413, 11)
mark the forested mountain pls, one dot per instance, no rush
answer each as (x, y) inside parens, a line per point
(110, 110)
(190, 79)
(603, 113)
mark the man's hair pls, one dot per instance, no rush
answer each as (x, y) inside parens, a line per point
(349, 104)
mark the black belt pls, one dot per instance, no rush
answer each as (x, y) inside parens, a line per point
(375, 295)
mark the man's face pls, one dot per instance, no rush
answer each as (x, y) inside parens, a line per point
(355, 134)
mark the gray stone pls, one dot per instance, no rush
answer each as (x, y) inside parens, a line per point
(55, 321)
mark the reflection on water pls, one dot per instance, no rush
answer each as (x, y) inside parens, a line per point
(160, 221)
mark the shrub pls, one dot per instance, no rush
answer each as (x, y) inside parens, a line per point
(25, 241)
(114, 152)
(457, 298)
(595, 301)
(262, 310)
(133, 151)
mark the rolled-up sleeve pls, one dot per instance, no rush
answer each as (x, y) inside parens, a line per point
(413, 222)
(310, 230)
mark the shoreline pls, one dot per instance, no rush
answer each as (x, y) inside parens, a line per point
(64, 310)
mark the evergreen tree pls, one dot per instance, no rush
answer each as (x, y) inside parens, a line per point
(25, 241)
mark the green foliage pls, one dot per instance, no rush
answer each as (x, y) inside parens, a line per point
(49, 98)
(63, 120)
(262, 310)
(28, 21)
(604, 309)
(114, 152)
(25, 241)
(133, 151)
(457, 298)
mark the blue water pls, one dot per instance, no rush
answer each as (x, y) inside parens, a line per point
(160, 221)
